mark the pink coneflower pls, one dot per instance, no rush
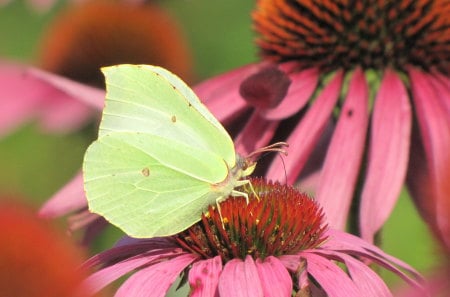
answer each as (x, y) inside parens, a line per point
(277, 245)
(347, 83)
(80, 40)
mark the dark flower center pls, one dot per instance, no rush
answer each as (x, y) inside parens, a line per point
(95, 34)
(280, 220)
(344, 34)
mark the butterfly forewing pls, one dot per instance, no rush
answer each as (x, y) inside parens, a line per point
(148, 99)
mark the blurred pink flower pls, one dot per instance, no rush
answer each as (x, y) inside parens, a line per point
(275, 245)
(78, 42)
(347, 84)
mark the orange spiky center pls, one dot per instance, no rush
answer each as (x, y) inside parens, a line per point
(345, 34)
(279, 221)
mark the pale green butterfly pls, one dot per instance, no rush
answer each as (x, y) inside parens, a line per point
(161, 158)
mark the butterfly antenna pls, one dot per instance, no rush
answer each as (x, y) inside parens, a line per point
(279, 147)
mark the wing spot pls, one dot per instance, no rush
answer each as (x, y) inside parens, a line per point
(145, 172)
(174, 119)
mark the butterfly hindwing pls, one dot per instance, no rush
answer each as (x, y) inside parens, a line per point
(142, 193)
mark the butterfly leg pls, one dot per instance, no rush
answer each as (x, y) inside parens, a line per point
(240, 194)
(218, 201)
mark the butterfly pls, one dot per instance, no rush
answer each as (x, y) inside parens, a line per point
(161, 158)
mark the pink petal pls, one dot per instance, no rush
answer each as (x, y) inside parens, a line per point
(301, 89)
(240, 279)
(100, 279)
(368, 282)
(70, 198)
(434, 124)
(343, 160)
(204, 277)
(275, 279)
(331, 278)
(26, 92)
(155, 280)
(87, 95)
(256, 134)
(221, 93)
(18, 100)
(388, 154)
(442, 88)
(352, 245)
(304, 138)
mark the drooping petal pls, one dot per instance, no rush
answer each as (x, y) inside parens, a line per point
(306, 135)
(368, 282)
(155, 280)
(275, 279)
(27, 92)
(302, 87)
(221, 93)
(434, 124)
(87, 95)
(353, 245)
(18, 100)
(330, 276)
(68, 199)
(344, 154)
(256, 134)
(107, 275)
(240, 279)
(388, 154)
(204, 277)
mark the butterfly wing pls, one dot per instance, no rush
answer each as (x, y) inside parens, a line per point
(151, 100)
(147, 185)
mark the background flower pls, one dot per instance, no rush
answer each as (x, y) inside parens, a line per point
(35, 259)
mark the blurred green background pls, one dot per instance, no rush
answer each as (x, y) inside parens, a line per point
(34, 165)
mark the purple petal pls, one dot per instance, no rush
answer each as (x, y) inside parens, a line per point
(240, 279)
(388, 154)
(301, 89)
(204, 277)
(155, 280)
(353, 245)
(68, 199)
(343, 160)
(256, 134)
(305, 136)
(221, 93)
(434, 125)
(331, 278)
(275, 279)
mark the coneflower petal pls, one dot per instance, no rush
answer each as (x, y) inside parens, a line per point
(305, 136)
(297, 96)
(274, 277)
(434, 124)
(240, 278)
(330, 276)
(345, 154)
(257, 133)
(156, 279)
(388, 154)
(204, 277)
(221, 93)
